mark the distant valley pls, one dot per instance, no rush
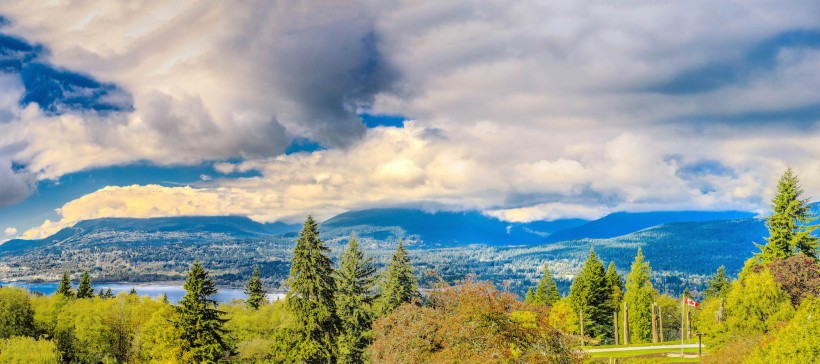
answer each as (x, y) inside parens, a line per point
(683, 247)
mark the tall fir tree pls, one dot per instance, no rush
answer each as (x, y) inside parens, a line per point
(546, 294)
(65, 286)
(256, 293)
(639, 297)
(790, 228)
(589, 296)
(199, 323)
(718, 285)
(616, 287)
(311, 298)
(354, 303)
(84, 290)
(530, 296)
(399, 286)
(108, 293)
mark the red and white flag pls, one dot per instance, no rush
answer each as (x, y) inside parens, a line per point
(690, 302)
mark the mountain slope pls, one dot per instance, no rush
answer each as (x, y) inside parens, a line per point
(621, 223)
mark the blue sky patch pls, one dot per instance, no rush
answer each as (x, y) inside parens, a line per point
(376, 120)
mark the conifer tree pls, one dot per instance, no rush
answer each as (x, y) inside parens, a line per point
(546, 294)
(790, 228)
(108, 293)
(133, 291)
(164, 298)
(616, 286)
(101, 293)
(311, 298)
(354, 303)
(589, 295)
(84, 290)
(399, 285)
(718, 285)
(200, 327)
(639, 297)
(530, 297)
(254, 290)
(65, 286)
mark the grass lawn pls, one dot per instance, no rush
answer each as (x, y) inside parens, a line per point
(648, 355)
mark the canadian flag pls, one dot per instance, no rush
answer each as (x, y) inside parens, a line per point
(690, 302)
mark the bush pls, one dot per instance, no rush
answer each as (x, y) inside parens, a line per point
(16, 314)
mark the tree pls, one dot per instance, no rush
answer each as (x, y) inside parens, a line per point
(589, 296)
(65, 286)
(16, 313)
(254, 290)
(133, 291)
(108, 293)
(790, 229)
(530, 296)
(798, 276)
(28, 350)
(616, 286)
(718, 285)
(797, 342)
(399, 285)
(84, 290)
(547, 291)
(311, 298)
(199, 322)
(354, 303)
(639, 297)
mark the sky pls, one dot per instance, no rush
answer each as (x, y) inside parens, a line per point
(531, 110)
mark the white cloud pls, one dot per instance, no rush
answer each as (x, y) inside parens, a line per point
(527, 111)
(10, 231)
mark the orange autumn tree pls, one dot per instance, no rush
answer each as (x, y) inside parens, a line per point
(469, 323)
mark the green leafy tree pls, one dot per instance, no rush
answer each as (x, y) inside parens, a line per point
(399, 285)
(354, 303)
(790, 228)
(65, 286)
(639, 297)
(254, 290)
(718, 286)
(756, 303)
(797, 342)
(311, 298)
(589, 295)
(28, 350)
(547, 291)
(16, 313)
(199, 322)
(84, 290)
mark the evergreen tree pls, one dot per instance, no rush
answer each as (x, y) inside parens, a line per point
(84, 290)
(101, 293)
(108, 293)
(164, 298)
(789, 226)
(65, 286)
(200, 327)
(311, 298)
(354, 303)
(546, 293)
(399, 285)
(616, 286)
(639, 297)
(133, 291)
(589, 295)
(718, 285)
(530, 297)
(254, 290)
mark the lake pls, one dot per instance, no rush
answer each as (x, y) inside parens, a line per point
(174, 292)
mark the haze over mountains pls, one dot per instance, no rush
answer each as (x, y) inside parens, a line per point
(683, 247)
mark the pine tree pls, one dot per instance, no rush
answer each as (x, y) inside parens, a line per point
(546, 294)
(399, 285)
(133, 291)
(164, 298)
(108, 293)
(354, 303)
(84, 290)
(790, 229)
(639, 297)
(530, 297)
(616, 286)
(589, 295)
(311, 298)
(200, 327)
(101, 293)
(718, 285)
(65, 286)
(254, 290)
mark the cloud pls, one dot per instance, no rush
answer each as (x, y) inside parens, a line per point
(525, 111)
(10, 231)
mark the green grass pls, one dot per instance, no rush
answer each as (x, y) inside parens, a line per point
(648, 355)
(676, 342)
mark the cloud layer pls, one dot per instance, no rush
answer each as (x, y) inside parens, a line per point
(527, 111)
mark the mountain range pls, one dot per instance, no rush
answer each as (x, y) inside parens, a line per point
(682, 246)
